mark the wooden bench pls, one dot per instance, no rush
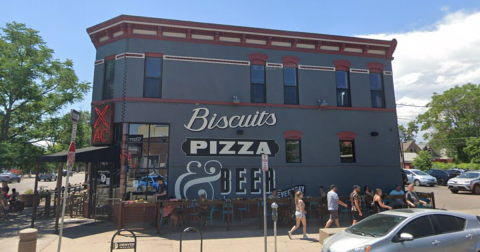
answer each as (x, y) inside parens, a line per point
(325, 233)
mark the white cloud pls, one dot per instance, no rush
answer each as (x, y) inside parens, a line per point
(434, 59)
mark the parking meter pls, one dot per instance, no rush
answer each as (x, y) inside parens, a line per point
(274, 211)
(275, 218)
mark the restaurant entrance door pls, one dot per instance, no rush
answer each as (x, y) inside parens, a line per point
(102, 196)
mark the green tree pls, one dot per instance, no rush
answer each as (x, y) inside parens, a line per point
(33, 88)
(472, 148)
(61, 131)
(423, 161)
(408, 133)
(451, 118)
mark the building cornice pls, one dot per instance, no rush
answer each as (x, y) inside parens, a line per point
(125, 26)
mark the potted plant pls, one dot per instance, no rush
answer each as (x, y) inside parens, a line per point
(27, 197)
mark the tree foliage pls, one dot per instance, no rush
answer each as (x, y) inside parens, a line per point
(451, 118)
(472, 148)
(423, 161)
(34, 87)
(61, 130)
(408, 133)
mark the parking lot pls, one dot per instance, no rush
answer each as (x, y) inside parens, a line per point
(28, 183)
(447, 200)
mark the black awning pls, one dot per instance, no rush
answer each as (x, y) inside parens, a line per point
(83, 155)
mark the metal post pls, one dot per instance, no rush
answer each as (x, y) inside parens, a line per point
(35, 197)
(264, 209)
(59, 196)
(275, 219)
(275, 234)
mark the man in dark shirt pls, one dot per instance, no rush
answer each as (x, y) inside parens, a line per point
(162, 189)
(356, 204)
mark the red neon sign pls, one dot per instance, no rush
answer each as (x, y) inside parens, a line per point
(102, 128)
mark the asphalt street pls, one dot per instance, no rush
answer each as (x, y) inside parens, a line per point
(28, 183)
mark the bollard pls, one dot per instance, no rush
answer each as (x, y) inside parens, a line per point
(28, 240)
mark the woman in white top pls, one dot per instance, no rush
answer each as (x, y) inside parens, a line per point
(300, 215)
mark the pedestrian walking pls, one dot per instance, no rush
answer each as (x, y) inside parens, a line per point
(300, 215)
(356, 205)
(333, 202)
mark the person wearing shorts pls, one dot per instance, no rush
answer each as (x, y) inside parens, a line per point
(300, 215)
(357, 214)
(333, 201)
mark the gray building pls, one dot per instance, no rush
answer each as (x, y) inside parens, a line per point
(199, 103)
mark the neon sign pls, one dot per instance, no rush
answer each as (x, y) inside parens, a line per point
(103, 126)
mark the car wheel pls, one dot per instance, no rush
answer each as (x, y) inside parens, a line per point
(140, 189)
(454, 190)
(18, 181)
(476, 189)
(416, 182)
(441, 182)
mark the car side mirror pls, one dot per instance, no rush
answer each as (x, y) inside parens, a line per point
(406, 237)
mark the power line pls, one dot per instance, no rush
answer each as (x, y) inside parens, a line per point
(410, 105)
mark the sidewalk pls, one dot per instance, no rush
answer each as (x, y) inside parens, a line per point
(86, 235)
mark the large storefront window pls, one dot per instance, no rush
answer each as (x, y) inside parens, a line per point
(147, 146)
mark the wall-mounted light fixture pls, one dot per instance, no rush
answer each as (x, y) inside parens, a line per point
(239, 132)
(235, 100)
(322, 103)
(374, 134)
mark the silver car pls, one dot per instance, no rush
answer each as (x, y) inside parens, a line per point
(418, 177)
(412, 230)
(10, 177)
(468, 181)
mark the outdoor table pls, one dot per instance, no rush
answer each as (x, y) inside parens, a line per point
(164, 203)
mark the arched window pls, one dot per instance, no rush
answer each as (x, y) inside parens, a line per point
(258, 85)
(347, 146)
(342, 80)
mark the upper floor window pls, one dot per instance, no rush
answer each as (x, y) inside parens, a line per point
(290, 85)
(293, 151)
(376, 90)
(153, 78)
(258, 86)
(347, 146)
(109, 79)
(343, 88)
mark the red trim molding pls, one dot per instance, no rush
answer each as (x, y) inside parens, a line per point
(258, 58)
(342, 65)
(123, 26)
(293, 134)
(375, 67)
(111, 57)
(154, 55)
(346, 135)
(100, 61)
(290, 61)
(246, 104)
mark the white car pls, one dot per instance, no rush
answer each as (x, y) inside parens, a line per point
(418, 177)
(468, 181)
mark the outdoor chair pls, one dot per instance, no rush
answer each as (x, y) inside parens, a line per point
(162, 219)
(346, 210)
(245, 209)
(226, 211)
(314, 206)
(210, 217)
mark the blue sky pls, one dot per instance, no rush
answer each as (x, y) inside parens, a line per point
(62, 24)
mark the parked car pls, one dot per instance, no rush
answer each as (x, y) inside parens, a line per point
(10, 177)
(65, 173)
(418, 177)
(152, 182)
(47, 176)
(468, 181)
(409, 230)
(442, 176)
(456, 171)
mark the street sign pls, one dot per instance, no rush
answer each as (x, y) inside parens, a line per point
(71, 156)
(75, 116)
(264, 162)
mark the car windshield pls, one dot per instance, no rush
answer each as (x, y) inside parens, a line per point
(469, 175)
(419, 173)
(376, 225)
